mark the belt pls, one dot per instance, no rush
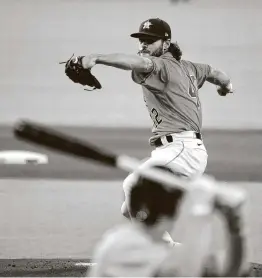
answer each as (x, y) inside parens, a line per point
(170, 139)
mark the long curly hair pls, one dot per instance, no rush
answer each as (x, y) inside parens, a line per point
(175, 50)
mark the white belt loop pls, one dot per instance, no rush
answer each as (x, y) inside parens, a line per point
(164, 140)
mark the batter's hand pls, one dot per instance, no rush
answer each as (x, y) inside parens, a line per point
(223, 91)
(203, 195)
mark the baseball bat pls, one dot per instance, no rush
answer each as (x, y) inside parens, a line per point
(50, 138)
(45, 136)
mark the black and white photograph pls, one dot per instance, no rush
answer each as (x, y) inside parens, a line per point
(131, 138)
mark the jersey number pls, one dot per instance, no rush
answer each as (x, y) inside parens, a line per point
(155, 117)
(192, 89)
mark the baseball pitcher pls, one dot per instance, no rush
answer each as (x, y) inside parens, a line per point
(171, 93)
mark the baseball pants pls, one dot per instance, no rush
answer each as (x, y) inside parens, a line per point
(186, 155)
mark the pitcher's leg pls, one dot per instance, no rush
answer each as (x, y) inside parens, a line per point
(128, 183)
(190, 163)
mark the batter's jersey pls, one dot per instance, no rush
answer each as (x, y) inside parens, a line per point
(171, 94)
(127, 251)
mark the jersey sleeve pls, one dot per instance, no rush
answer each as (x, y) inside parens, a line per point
(154, 79)
(201, 71)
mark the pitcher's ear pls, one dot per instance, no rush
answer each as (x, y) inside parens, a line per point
(166, 44)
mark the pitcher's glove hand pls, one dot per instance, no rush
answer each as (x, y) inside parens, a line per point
(75, 71)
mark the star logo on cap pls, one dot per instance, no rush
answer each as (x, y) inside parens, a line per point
(147, 25)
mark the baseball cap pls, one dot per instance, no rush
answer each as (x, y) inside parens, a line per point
(153, 27)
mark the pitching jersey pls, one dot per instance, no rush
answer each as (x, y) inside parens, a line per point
(127, 251)
(171, 94)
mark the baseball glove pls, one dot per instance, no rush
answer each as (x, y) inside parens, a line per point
(75, 71)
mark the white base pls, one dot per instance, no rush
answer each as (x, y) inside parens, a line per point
(22, 157)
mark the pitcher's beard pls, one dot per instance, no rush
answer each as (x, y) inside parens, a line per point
(158, 52)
